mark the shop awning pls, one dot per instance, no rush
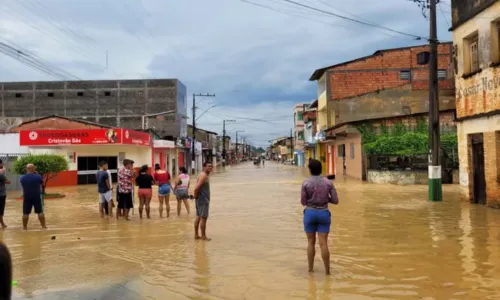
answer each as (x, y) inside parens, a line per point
(58, 137)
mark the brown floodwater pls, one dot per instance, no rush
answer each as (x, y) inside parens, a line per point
(387, 242)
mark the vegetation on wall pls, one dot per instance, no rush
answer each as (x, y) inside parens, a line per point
(404, 141)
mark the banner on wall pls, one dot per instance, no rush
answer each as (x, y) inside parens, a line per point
(83, 137)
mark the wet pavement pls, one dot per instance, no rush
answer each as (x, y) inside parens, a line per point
(387, 242)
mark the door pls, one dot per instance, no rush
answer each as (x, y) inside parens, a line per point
(88, 166)
(479, 178)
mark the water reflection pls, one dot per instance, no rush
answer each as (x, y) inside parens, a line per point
(387, 242)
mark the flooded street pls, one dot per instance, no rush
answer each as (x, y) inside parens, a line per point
(387, 242)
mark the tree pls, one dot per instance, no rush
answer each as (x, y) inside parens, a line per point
(47, 165)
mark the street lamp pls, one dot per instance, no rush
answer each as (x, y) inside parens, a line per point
(213, 106)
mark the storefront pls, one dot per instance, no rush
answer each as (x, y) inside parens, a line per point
(165, 154)
(85, 148)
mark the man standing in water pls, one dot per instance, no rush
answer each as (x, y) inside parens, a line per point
(317, 192)
(3, 193)
(32, 195)
(104, 190)
(202, 196)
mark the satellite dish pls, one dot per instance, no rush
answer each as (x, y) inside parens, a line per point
(7, 124)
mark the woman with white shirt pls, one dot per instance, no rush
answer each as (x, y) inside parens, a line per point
(181, 189)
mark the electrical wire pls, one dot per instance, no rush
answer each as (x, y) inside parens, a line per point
(417, 37)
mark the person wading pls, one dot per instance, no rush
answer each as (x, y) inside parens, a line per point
(317, 192)
(162, 179)
(3, 193)
(181, 189)
(5, 273)
(145, 183)
(32, 195)
(202, 196)
(104, 190)
(125, 188)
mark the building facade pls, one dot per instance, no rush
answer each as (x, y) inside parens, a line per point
(310, 130)
(476, 38)
(298, 124)
(389, 83)
(116, 103)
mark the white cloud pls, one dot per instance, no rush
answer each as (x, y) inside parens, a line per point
(256, 60)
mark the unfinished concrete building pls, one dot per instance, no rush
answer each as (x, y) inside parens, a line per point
(120, 103)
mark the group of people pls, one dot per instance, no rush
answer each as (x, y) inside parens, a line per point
(32, 184)
(127, 179)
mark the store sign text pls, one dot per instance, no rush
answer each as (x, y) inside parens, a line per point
(484, 84)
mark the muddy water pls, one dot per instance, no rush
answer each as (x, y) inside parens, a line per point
(387, 242)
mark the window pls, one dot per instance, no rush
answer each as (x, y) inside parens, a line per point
(352, 150)
(19, 95)
(107, 94)
(495, 41)
(79, 94)
(442, 74)
(301, 135)
(471, 54)
(299, 117)
(405, 75)
(341, 150)
(50, 94)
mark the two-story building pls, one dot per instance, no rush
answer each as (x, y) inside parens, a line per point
(387, 84)
(298, 122)
(476, 47)
(310, 130)
(208, 144)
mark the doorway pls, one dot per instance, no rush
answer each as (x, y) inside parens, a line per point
(87, 167)
(479, 178)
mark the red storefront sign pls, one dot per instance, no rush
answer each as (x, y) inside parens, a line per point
(136, 138)
(82, 137)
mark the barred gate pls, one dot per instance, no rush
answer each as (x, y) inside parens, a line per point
(8, 165)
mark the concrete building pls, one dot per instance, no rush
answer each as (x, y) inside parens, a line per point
(298, 124)
(310, 116)
(476, 38)
(387, 84)
(208, 140)
(116, 103)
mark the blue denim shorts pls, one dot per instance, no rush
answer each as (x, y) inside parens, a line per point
(164, 190)
(317, 220)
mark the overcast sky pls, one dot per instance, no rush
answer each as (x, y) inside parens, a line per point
(257, 60)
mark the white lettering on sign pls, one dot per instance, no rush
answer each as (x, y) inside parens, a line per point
(485, 84)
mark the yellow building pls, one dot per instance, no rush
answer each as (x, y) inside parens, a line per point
(476, 38)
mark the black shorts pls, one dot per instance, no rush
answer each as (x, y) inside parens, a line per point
(2, 205)
(125, 201)
(32, 202)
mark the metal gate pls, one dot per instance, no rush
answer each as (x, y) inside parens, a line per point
(8, 165)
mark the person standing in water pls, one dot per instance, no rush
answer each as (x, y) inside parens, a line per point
(162, 179)
(316, 193)
(32, 195)
(104, 190)
(145, 183)
(3, 193)
(181, 189)
(202, 196)
(125, 188)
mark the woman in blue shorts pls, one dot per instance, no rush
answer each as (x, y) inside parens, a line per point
(317, 192)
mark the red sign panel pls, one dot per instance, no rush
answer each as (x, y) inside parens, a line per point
(83, 137)
(70, 137)
(136, 138)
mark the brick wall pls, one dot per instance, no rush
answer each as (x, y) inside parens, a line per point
(382, 71)
(54, 123)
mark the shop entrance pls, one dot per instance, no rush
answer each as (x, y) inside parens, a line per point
(87, 167)
(479, 177)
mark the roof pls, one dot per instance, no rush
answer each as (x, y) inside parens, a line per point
(319, 72)
(68, 119)
(197, 128)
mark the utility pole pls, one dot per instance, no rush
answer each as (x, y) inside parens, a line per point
(435, 184)
(193, 143)
(291, 143)
(224, 140)
(237, 143)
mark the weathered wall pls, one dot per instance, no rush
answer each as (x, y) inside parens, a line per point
(401, 177)
(382, 71)
(490, 127)
(462, 10)
(110, 102)
(354, 165)
(56, 124)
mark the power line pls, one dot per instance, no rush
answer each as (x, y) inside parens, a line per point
(444, 16)
(417, 37)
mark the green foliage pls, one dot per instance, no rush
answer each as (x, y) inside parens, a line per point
(47, 165)
(384, 130)
(398, 129)
(368, 134)
(422, 126)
